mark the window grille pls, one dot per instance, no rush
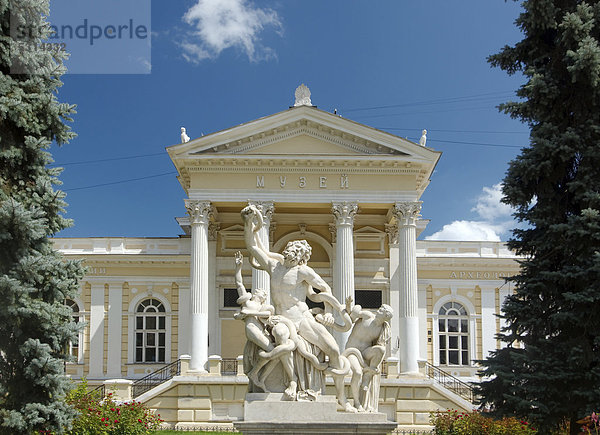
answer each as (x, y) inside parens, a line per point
(453, 326)
(368, 298)
(150, 332)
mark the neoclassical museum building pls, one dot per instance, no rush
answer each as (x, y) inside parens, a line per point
(353, 192)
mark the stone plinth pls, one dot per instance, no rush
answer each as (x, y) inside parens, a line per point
(269, 413)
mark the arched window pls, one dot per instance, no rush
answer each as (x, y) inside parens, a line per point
(453, 329)
(150, 331)
(73, 345)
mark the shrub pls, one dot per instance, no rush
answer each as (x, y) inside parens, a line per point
(453, 422)
(105, 416)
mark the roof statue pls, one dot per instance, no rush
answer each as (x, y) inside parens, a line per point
(423, 139)
(302, 95)
(184, 137)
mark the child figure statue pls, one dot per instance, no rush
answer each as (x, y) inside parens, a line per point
(365, 350)
(254, 313)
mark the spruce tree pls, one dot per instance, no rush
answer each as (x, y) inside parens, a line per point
(35, 326)
(549, 370)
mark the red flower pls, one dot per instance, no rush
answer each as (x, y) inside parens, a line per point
(105, 424)
(139, 420)
(116, 421)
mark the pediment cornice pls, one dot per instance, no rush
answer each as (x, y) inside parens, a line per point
(256, 141)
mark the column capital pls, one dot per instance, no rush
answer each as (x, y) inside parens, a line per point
(407, 212)
(213, 230)
(392, 232)
(344, 212)
(200, 211)
(266, 209)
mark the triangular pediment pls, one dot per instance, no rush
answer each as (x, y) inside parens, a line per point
(303, 131)
(304, 138)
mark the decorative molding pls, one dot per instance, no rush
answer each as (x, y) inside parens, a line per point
(392, 232)
(332, 135)
(369, 234)
(200, 211)
(302, 96)
(230, 236)
(407, 213)
(344, 212)
(213, 230)
(266, 209)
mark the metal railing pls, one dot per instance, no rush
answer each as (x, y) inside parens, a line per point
(450, 382)
(156, 378)
(99, 392)
(229, 366)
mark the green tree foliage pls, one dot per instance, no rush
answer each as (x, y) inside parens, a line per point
(549, 369)
(35, 326)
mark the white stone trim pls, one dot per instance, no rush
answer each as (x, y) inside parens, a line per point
(471, 313)
(308, 235)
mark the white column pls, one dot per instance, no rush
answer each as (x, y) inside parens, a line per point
(214, 342)
(394, 261)
(115, 320)
(343, 280)
(200, 213)
(97, 332)
(261, 278)
(407, 214)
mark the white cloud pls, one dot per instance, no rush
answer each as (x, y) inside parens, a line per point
(467, 230)
(495, 220)
(222, 24)
(489, 206)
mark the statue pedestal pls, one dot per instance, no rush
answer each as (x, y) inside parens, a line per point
(269, 413)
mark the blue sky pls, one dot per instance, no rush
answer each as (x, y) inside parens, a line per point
(216, 64)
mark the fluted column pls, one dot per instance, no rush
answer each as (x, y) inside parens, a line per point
(394, 265)
(343, 279)
(260, 278)
(407, 214)
(200, 213)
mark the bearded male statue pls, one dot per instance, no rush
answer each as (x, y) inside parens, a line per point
(292, 281)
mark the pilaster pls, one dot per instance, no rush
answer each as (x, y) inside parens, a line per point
(214, 342)
(97, 332)
(394, 262)
(115, 318)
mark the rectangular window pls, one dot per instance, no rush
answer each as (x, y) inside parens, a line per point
(453, 356)
(230, 296)
(452, 325)
(464, 326)
(442, 357)
(150, 322)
